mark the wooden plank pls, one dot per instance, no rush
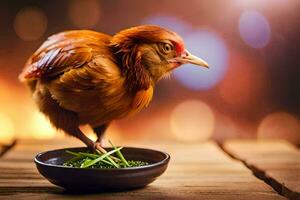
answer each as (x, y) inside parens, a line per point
(275, 161)
(18, 182)
(143, 194)
(1, 149)
(208, 173)
(6, 147)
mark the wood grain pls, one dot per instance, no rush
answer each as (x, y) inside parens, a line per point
(277, 162)
(196, 171)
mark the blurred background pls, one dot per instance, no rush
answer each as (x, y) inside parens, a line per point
(252, 89)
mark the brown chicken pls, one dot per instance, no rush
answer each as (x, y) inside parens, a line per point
(85, 77)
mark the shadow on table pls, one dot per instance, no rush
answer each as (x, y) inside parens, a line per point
(138, 193)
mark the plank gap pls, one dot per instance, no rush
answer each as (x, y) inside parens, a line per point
(259, 173)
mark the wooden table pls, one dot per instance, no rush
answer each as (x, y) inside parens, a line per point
(196, 171)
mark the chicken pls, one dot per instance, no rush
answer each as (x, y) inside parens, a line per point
(86, 77)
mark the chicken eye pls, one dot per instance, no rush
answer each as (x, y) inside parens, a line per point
(167, 48)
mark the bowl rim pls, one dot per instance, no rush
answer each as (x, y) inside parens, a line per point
(149, 166)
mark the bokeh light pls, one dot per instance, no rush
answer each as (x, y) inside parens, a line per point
(112, 133)
(210, 47)
(170, 22)
(7, 129)
(262, 4)
(242, 84)
(204, 44)
(84, 14)
(254, 29)
(30, 23)
(192, 121)
(225, 128)
(41, 127)
(280, 125)
(242, 76)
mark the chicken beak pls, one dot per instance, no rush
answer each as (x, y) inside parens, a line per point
(187, 57)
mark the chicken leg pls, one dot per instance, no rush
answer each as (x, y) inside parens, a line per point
(100, 130)
(93, 146)
(63, 119)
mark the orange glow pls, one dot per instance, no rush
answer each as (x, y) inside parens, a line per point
(243, 85)
(84, 14)
(15, 105)
(41, 127)
(113, 133)
(88, 132)
(225, 128)
(280, 125)
(30, 23)
(7, 129)
(262, 4)
(192, 120)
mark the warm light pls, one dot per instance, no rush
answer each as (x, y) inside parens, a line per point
(84, 14)
(41, 127)
(225, 128)
(6, 129)
(30, 23)
(112, 133)
(254, 29)
(202, 43)
(210, 47)
(88, 131)
(243, 85)
(170, 22)
(192, 120)
(262, 4)
(280, 125)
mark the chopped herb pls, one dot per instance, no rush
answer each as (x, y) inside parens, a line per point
(111, 159)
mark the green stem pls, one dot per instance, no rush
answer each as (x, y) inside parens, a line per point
(72, 160)
(94, 157)
(111, 157)
(120, 154)
(72, 153)
(85, 162)
(92, 162)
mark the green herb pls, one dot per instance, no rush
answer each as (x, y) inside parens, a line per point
(120, 154)
(111, 159)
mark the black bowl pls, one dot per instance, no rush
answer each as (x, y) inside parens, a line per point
(49, 164)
